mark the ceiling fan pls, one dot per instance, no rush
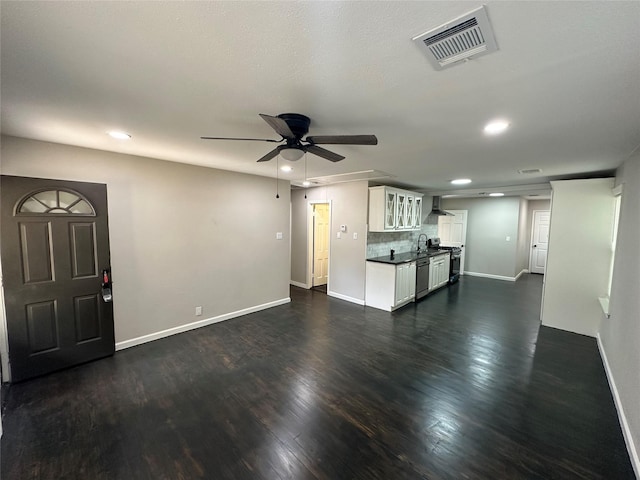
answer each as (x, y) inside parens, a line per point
(292, 127)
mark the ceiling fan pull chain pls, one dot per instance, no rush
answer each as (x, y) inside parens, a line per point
(277, 177)
(305, 174)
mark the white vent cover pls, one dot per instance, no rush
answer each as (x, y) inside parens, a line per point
(529, 171)
(468, 36)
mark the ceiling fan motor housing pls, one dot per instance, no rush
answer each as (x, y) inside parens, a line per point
(299, 124)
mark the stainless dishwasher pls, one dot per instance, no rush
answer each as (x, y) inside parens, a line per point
(422, 277)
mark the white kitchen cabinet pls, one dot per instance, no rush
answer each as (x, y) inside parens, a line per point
(417, 213)
(390, 286)
(439, 271)
(401, 211)
(405, 283)
(392, 209)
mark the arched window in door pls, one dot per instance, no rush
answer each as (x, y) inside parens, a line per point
(55, 202)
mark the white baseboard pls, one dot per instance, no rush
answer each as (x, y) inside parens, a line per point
(524, 270)
(200, 323)
(300, 284)
(488, 275)
(634, 455)
(345, 297)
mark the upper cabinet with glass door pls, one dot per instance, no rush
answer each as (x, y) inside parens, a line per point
(392, 209)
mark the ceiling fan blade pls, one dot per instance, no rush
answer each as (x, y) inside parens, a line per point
(324, 153)
(279, 125)
(343, 139)
(269, 155)
(245, 139)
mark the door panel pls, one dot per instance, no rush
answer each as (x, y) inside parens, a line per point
(456, 233)
(444, 229)
(87, 318)
(452, 231)
(83, 250)
(35, 250)
(54, 241)
(42, 326)
(540, 239)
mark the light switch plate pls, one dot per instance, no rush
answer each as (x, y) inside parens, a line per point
(338, 234)
(355, 235)
(279, 236)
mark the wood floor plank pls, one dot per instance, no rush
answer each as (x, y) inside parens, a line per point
(464, 384)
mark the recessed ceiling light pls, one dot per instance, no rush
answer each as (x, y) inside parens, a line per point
(461, 181)
(119, 135)
(495, 127)
(286, 168)
(496, 194)
(306, 183)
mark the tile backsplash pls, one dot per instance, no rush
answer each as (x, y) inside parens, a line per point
(380, 243)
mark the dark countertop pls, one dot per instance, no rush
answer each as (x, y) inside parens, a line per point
(406, 257)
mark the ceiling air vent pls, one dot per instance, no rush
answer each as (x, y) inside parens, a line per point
(468, 36)
(530, 171)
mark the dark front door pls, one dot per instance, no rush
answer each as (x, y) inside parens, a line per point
(54, 246)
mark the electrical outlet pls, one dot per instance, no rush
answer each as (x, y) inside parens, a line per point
(278, 235)
(508, 239)
(198, 311)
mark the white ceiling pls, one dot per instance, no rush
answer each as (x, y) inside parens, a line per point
(567, 77)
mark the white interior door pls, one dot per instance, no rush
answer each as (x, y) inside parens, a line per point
(320, 244)
(452, 231)
(539, 241)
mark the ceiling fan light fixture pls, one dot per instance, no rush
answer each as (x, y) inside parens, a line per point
(286, 168)
(496, 127)
(291, 154)
(119, 135)
(461, 181)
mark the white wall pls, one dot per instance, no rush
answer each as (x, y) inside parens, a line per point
(489, 222)
(620, 334)
(347, 261)
(579, 254)
(180, 235)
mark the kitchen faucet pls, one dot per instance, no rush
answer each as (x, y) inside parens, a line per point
(425, 241)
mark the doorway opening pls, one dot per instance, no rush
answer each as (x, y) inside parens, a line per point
(452, 231)
(318, 248)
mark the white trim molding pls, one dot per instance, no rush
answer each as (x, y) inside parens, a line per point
(524, 270)
(299, 284)
(634, 455)
(345, 297)
(495, 277)
(200, 323)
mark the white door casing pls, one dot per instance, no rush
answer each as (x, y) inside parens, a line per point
(452, 231)
(320, 244)
(539, 241)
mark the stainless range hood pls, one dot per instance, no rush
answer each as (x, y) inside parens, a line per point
(436, 210)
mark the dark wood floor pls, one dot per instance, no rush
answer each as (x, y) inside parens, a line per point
(462, 385)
